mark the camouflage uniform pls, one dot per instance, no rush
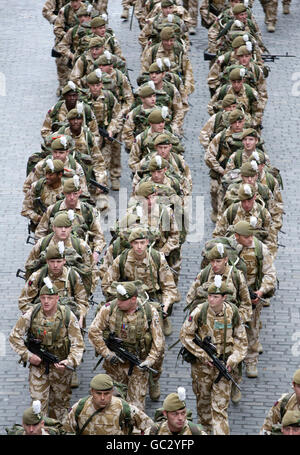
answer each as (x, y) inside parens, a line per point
(84, 65)
(53, 389)
(51, 8)
(97, 241)
(274, 416)
(106, 422)
(232, 162)
(213, 399)
(210, 10)
(240, 296)
(163, 429)
(123, 324)
(177, 9)
(33, 286)
(192, 7)
(135, 123)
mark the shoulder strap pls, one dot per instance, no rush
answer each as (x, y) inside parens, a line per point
(195, 428)
(125, 420)
(46, 240)
(77, 413)
(231, 212)
(238, 158)
(204, 274)
(284, 403)
(36, 309)
(223, 91)
(202, 318)
(122, 260)
(55, 110)
(76, 244)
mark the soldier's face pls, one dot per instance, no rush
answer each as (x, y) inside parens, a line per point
(75, 4)
(101, 398)
(31, 430)
(164, 150)
(158, 127)
(149, 101)
(60, 155)
(72, 199)
(62, 232)
(291, 431)
(230, 108)
(237, 85)
(151, 201)
(250, 143)
(237, 126)
(106, 68)
(158, 175)
(176, 419)
(71, 99)
(83, 19)
(167, 10)
(49, 303)
(241, 17)
(247, 204)
(244, 240)
(244, 59)
(127, 305)
(168, 44)
(76, 123)
(96, 52)
(95, 89)
(216, 302)
(249, 179)
(53, 178)
(56, 266)
(157, 78)
(100, 31)
(218, 265)
(139, 246)
(296, 388)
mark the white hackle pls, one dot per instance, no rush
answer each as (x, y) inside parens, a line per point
(48, 282)
(220, 248)
(98, 73)
(253, 221)
(121, 290)
(36, 407)
(50, 164)
(218, 281)
(164, 112)
(247, 189)
(61, 248)
(181, 393)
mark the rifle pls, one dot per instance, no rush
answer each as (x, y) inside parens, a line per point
(116, 345)
(211, 351)
(273, 57)
(30, 240)
(35, 346)
(21, 274)
(254, 296)
(208, 56)
(98, 185)
(103, 132)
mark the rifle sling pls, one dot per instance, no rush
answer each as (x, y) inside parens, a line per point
(79, 432)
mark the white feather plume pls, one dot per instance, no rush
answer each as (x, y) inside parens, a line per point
(158, 160)
(151, 84)
(247, 189)
(48, 282)
(254, 165)
(159, 63)
(63, 141)
(242, 72)
(170, 17)
(139, 211)
(220, 248)
(218, 281)
(50, 164)
(249, 46)
(245, 37)
(104, 16)
(256, 156)
(164, 112)
(36, 407)
(98, 73)
(71, 215)
(246, 3)
(107, 54)
(121, 290)
(79, 107)
(167, 62)
(253, 221)
(89, 8)
(72, 85)
(181, 393)
(61, 248)
(76, 181)
(238, 23)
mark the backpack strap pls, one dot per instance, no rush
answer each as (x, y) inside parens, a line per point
(195, 428)
(55, 110)
(122, 260)
(231, 212)
(46, 240)
(259, 257)
(77, 413)
(125, 421)
(284, 403)
(202, 318)
(238, 160)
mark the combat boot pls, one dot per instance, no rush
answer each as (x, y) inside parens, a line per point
(251, 371)
(260, 349)
(154, 390)
(115, 184)
(74, 381)
(167, 327)
(192, 31)
(286, 9)
(235, 394)
(125, 14)
(271, 28)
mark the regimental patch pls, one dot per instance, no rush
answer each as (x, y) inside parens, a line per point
(30, 283)
(190, 319)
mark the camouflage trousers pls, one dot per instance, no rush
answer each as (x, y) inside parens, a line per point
(127, 3)
(192, 7)
(137, 382)
(53, 390)
(253, 336)
(63, 71)
(112, 156)
(214, 195)
(212, 399)
(270, 9)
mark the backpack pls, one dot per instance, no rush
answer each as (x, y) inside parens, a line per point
(35, 158)
(159, 419)
(249, 93)
(125, 420)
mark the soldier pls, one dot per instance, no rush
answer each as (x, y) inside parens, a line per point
(109, 117)
(291, 423)
(175, 420)
(270, 9)
(192, 7)
(144, 263)
(287, 402)
(250, 140)
(139, 327)
(59, 333)
(210, 10)
(261, 279)
(86, 218)
(168, 48)
(126, 5)
(43, 192)
(99, 28)
(222, 322)
(102, 413)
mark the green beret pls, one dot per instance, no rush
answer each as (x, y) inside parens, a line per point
(105, 59)
(167, 33)
(228, 100)
(166, 3)
(291, 418)
(73, 113)
(217, 252)
(54, 251)
(71, 185)
(249, 132)
(223, 289)
(238, 41)
(236, 115)
(98, 21)
(156, 67)
(97, 41)
(95, 77)
(126, 290)
(246, 191)
(162, 139)
(249, 169)
(237, 74)
(49, 289)
(63, 219)
(83, 11)
(157, 163)
(102, 382)
(296, 377)
(70, 87)
(173, 403)
(155, 116)
(60, 143)
(243, 228)
(54, 166)
(147, 90)
(243, 50)
(145, 189)
(137, 234)
(239, 8)
(31, 416)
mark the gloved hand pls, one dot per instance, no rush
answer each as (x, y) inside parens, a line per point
(145, 364)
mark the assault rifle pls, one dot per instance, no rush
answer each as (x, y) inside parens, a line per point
(103, 132)
(35, 346)
(211, 351)
(98, 185)
(116, 345)
(273, 57)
